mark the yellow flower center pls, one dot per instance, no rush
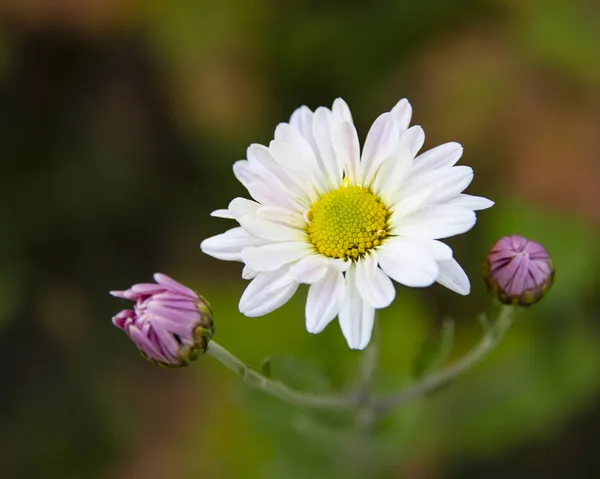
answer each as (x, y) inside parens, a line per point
(347, 222)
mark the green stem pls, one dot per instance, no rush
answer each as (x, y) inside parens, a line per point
(369, 408)
(356, 461)
(368, 367)
(276, 388)
(434, 381)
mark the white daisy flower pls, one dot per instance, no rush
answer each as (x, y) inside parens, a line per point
(343, 221)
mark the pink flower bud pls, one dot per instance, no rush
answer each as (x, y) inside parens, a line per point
(518, 270)
(169, 323)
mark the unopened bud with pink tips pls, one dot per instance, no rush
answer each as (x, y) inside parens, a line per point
(518, 270)
(170, 324)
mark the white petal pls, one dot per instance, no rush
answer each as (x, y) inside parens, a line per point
(341, 112)
(271, 195)
(408, 263)
(303, 170)
(453, 277)
(444, 184)
(339, 264)
(374, 285)
(439, 251)
(470, 202)
(300, 116)
(269, 170)
(224, 213)
(356, 317)
(379, 145)
(260, 155)
(402, 113)
(229, 245)
(280, 283)
(256, 302)
(269, 230)
(242, 171)
(280, 215)
(407, 206)
(436, 222)
(391, 177)
(239, 207)
(442, 156)
(309, 269)
(383, 176)
(413, 139)
(273, 256)
(249, 273)
(323, 133)
(273, 301)
(302, 120)
(292, 136)
(324, 301)
(265, 180)
(347, 148)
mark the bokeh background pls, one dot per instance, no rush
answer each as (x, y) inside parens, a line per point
(119, 123)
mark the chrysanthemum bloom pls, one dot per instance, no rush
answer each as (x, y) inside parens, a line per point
(518, 270)
(343, 221)
(170, 324)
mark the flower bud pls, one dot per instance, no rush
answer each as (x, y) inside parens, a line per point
(170, 324)
(518, 270)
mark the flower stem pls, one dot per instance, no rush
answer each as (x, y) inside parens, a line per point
(492, 337)
(357, 457)
(368, 367)
(369, 408)
(277, 388)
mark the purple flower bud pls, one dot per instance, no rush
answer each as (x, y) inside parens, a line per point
(170, 324)
(518, 270)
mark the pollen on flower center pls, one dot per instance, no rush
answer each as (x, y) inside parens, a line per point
(347, 222)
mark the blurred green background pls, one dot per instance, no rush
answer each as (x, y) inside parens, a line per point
(119, 123)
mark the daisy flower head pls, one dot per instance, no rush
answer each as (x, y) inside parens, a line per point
(346, 221)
